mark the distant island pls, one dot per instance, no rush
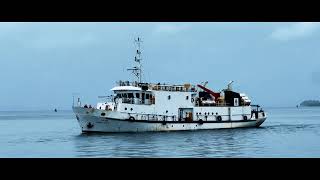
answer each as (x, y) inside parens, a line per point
(310, 103)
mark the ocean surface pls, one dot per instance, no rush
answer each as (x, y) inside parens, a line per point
(288, 132)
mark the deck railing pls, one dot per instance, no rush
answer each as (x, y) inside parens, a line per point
(160, 87)
(152, 117)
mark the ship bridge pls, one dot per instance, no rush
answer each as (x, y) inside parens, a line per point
(144, 93)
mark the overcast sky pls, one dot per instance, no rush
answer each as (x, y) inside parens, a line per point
(42, 64)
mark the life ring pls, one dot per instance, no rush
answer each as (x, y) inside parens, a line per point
(219, 118)
(200, 121)
(245, 118)
(131, 118)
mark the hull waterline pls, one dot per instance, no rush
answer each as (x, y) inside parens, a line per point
(92, 122)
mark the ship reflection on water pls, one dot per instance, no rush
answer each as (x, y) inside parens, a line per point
(204, 143)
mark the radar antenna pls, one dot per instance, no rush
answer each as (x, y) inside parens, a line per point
(229, 86)
(137, 70)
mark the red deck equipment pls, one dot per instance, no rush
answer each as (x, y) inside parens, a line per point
(216, 95)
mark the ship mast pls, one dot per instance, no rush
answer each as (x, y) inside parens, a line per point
(137, 70)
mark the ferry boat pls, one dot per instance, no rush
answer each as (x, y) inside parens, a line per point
(140, 107)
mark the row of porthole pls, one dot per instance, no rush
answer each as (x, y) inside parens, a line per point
(132, 109)
(206, 113)
(167, 127)
(126, 109)
(182, 126)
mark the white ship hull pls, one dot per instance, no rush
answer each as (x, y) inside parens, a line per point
(91, 121)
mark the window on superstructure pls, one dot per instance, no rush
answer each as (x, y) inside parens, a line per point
(147, 96)
(137, 95)
(187, 97)
(124, 95)
(130, 95)
(169, 97)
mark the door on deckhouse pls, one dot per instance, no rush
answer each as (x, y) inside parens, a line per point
(142, 98)
(185, 114)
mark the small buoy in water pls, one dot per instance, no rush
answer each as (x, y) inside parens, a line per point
(55, 110)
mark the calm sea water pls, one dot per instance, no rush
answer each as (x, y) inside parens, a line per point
(288, 132)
